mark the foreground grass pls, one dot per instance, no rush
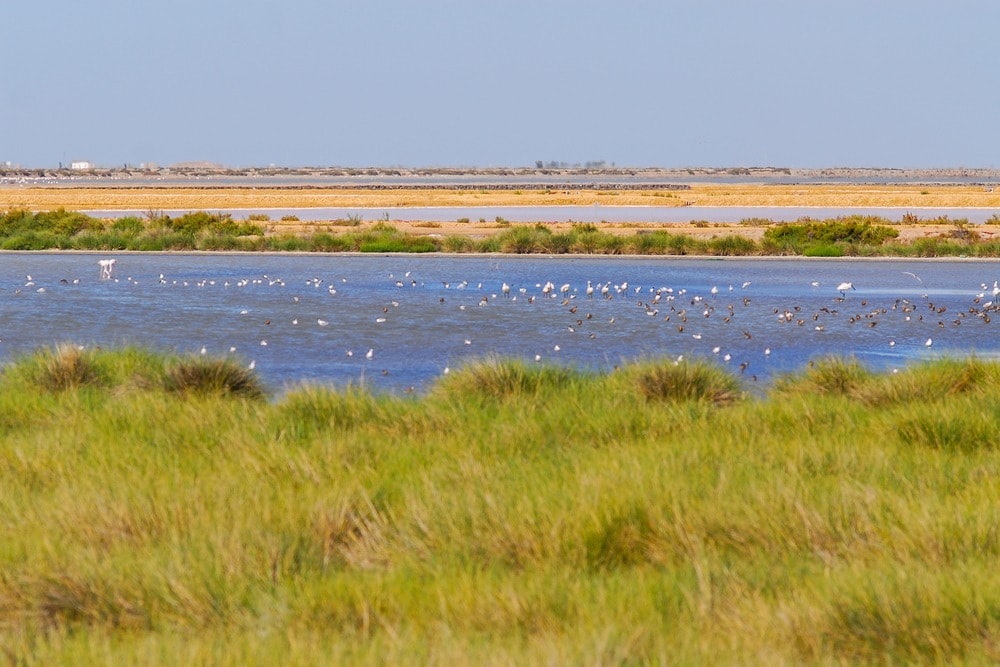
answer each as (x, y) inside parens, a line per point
(515, 513)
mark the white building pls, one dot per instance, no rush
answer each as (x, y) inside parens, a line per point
(81, 165)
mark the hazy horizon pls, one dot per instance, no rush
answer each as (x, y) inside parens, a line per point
(446, 84)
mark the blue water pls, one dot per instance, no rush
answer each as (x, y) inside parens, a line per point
(420, 315)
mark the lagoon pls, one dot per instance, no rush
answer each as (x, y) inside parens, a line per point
(314, 318)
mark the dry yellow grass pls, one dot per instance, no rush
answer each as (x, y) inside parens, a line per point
(221, 198)
(956, 196)
(698, 195)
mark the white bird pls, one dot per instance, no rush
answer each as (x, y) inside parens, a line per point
(505, 288)
(253, 364)
(322, 323)
(843, 287)
(370, 354)
(107, 268)
(928, 343)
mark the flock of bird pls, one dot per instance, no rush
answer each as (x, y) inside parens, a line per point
(596, 322)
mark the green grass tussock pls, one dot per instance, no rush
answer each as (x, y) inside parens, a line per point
(685, 381)
(498, 379)
(515, 512)
(212, 376)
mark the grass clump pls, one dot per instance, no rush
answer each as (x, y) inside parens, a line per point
(212, 376)
(832, 376)
(64, 367)
(500, 379)
(685, 381)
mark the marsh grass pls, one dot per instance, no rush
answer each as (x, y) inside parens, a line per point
(499, 379)
(517, 513)
(203, 230)
(64, 367)
(212, 376)
(684, 381)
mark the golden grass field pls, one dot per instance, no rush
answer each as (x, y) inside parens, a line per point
(218, 198)
(955, 196)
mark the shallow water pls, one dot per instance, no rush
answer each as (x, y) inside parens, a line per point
(420, 315)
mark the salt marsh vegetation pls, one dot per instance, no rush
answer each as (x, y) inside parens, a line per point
(513, 513)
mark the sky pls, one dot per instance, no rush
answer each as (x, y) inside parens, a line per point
(505, 83)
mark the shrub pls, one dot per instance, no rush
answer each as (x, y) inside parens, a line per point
(866, 230)
(823, 250)
(458, 244)
(558, 244)
(732, 246)
(128, 225)
(65, 223)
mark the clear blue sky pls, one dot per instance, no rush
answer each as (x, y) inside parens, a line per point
(798, 83)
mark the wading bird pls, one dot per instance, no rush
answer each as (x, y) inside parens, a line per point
(843, 287)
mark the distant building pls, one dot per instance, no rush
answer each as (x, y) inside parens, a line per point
(81, 165)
